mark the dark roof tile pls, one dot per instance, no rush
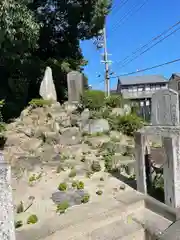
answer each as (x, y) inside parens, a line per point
(130, 80)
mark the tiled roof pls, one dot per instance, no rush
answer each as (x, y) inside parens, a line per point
(130, 80)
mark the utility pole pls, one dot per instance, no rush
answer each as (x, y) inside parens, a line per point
(106, 62)
(100, 43)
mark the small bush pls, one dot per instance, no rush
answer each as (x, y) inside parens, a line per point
(18, 224)
(89, 174)
(38, 102)
(108, 163)
(74, 184)
(62, 187)
(80, 185)
(101, 179)
(93, 99)
(32, 219)
(62, 207)
(2, 127)
(114, 101)
(85, 198)
(96, 167)
(20, 207)
(72, 173)
(99, 192)
(127, 124)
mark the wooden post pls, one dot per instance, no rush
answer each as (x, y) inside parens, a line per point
(148, 170)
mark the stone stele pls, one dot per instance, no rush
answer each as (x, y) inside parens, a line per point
(47, 89)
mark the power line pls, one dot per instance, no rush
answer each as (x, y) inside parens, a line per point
(116, 9)
(149, 68)
(128, 15)
(161, 40)
(151, 41)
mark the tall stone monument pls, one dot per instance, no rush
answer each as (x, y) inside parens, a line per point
(47, 89)
(165, 124)
(7, 231)
(165, 108)
(75, 86)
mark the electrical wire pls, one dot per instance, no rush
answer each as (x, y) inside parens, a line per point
(146, 69)
(147, 44)
(116, 9)
(161, 40)
(126, 16)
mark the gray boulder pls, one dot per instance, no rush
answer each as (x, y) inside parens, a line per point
(71, 136)
(73, 197)
(96, 126)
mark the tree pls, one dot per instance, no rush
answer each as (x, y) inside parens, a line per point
(19, 33)
(37, 33)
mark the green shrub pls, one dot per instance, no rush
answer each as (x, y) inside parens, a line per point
(72, 173)
(74, 184)
(2, 127)
(101, 179)
(80, 185)
(103, 112)
(89, 174)
(96, 167)
(108, 163)
(85, 198)
(114, 101)
(93, 99)
(62, 186)
(62, 207)
(99, 192)
(39, 102)
(32, 219)
(18, 224)
(127, 124)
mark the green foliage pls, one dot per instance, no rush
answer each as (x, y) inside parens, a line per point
(33, 36)
(95, 166)
(108, 163)
(18, 224)
(85, 198)
(32, 219)
(114, 101)
(62, 207)
(74, 184)
(127, 124)
(62, 186)
(34, 177)
(2, 127)
(99, 192)
(40, 103)
(89, 174)
(93, 99)
(80, 185)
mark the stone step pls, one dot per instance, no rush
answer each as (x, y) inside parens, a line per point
(73, 215)
(79, 220)
(152, 222)
(113, 224)
(121, 229)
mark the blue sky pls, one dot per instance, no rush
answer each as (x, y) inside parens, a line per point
(123, 38)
